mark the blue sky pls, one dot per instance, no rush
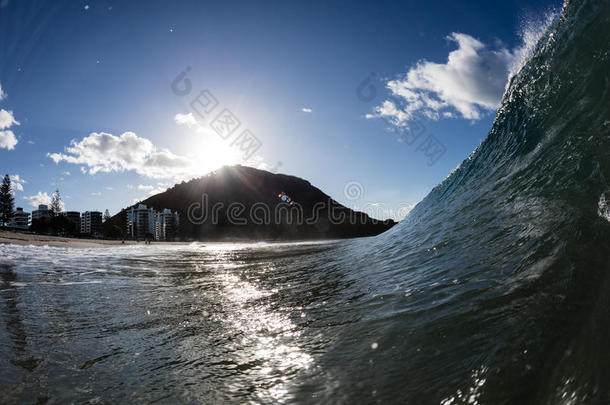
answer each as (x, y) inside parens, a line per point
(100, 73)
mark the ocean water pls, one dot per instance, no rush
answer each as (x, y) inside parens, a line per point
(191, 324)
(494, 289)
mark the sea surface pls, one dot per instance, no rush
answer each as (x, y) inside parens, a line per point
(191, 324)
(495, 289)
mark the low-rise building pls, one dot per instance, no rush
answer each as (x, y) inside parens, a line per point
(91, 223)
(20, 220)
(41, 213)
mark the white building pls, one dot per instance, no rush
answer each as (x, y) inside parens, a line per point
(166, 224)
(140, 222)
(20, 220)
(42, 212)
(91, 223)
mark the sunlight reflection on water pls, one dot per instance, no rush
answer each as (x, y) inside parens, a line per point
(269, 335)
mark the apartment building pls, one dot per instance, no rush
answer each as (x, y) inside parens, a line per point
(74, 216)
(20, 220)
(91, 223)
(42, 212)
(140, 222)
(166, 224)
(143, 222)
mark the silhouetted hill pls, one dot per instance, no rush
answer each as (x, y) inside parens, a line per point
(239, 202)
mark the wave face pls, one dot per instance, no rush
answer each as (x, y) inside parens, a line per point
(495, 288)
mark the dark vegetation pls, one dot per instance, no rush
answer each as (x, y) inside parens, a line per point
(239, 202)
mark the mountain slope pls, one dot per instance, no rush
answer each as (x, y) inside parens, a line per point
(239, 202)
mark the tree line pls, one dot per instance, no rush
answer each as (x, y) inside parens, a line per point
(56, 224)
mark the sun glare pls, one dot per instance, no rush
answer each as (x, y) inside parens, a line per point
(211, 152)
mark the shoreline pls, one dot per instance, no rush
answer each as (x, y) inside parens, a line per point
(18, 238)
(11, 237)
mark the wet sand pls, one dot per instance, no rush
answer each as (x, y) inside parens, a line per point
(31, 239)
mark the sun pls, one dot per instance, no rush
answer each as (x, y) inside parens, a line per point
(210, 151)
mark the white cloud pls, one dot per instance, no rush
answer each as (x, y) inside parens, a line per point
(17, 182)
(96, 193)
(7, 140)
(306, 110)
(389, 110)
(40, 198)
(152, 190)
(67, 173)
(16, 177)
(185, 119)
(157, 190)
(190, 121)
(469, 84)
(102, 152)
(7, 119)
(109, 188)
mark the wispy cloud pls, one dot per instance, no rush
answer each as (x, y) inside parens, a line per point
(2, 93)
(306, 110)
(185, 119)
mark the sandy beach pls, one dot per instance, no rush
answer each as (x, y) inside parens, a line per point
(31, 239)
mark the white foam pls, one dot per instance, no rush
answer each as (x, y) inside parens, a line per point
(603, 209)
(531, 30)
